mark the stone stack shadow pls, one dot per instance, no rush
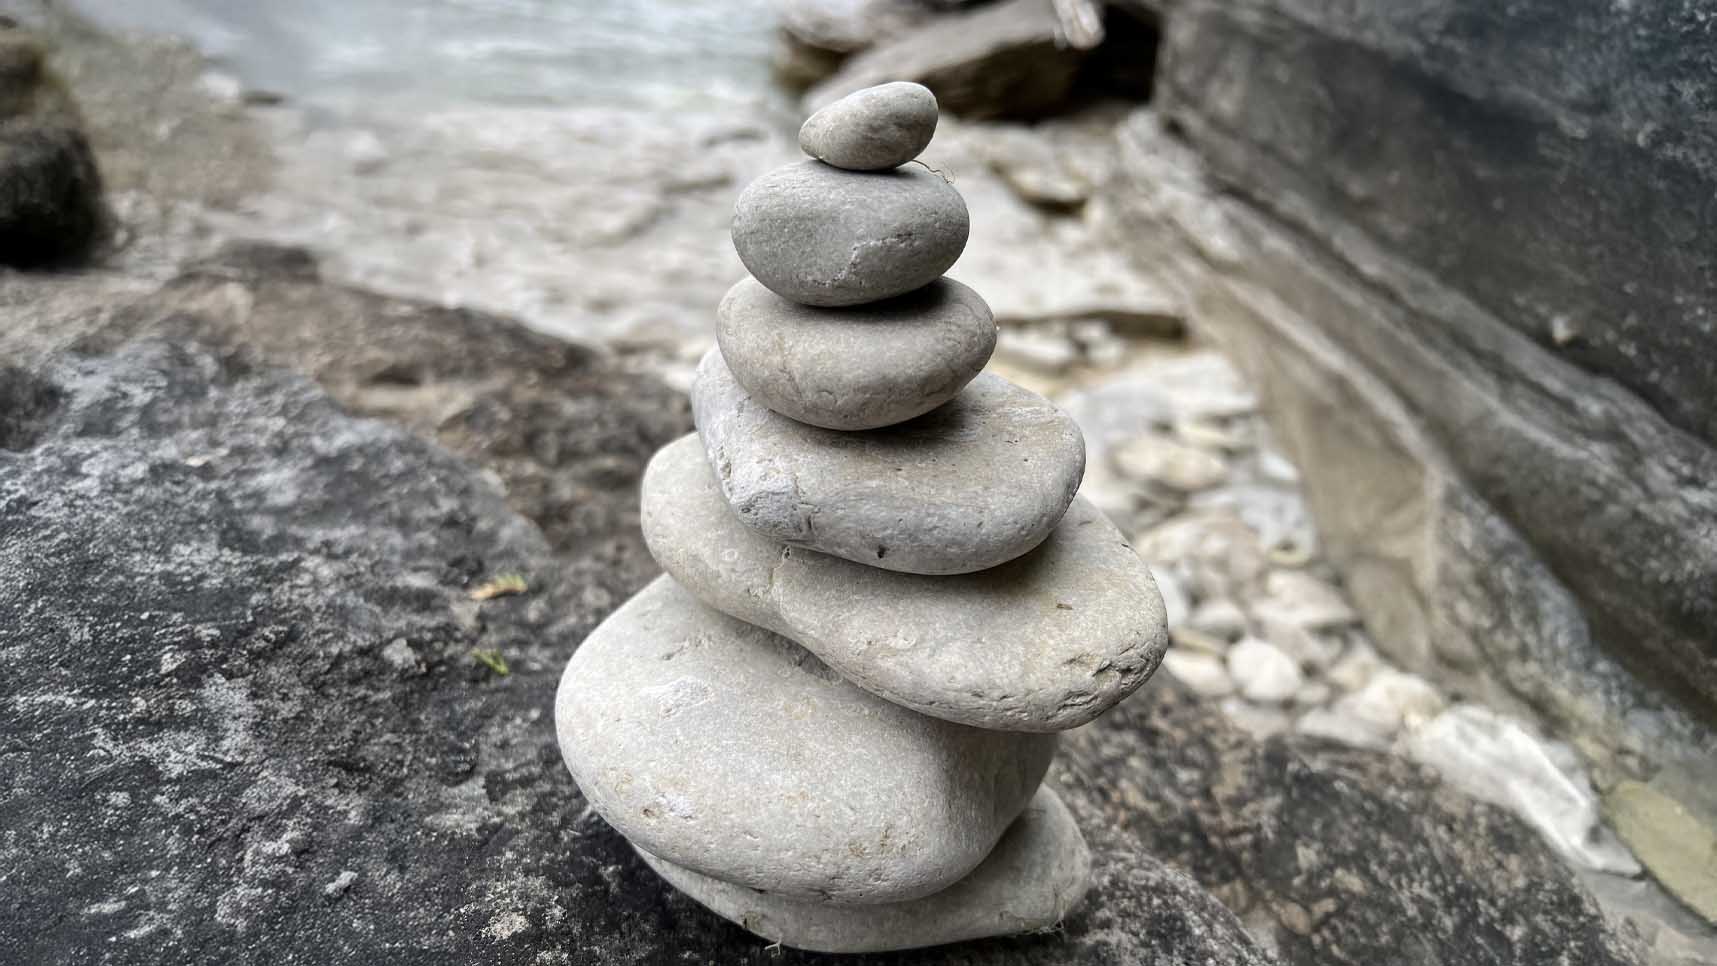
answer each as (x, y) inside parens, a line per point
(830, 720)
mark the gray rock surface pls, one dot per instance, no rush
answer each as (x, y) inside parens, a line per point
(1002, 59)
(283, 733)
(862, 367)
(1037, 874)
(439, 787)
(733, 752)
(873, 129)
(1482, 330)
(823, 236)
(1042, 643)
(968, 486)
(51, 209)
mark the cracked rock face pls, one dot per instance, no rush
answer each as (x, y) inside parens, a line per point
(979, 481)
(727, 749)
(862, 367)
(819, 235)
(1046, 642)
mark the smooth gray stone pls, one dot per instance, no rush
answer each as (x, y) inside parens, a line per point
(968, 486)
(856, 368)
(873, 129)
(822, 236)
(1042, 643)
(732, 751)
(1038, 873)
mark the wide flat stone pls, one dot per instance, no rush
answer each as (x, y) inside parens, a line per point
(1045, 642)
(1039, 871)
(873, 129)
(732, 751)
(861, 367)
(971, 485)
(819, 235)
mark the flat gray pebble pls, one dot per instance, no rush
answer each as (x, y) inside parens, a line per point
(968, 486)
(873, 129)
(1042, 643)
(861, 367)
(1038, 873)
(732, 751)
(823, 236)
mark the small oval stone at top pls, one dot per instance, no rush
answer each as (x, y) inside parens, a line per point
(873, 129)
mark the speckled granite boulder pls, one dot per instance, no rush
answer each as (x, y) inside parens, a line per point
(1044, 643)
(822, 236)
(969, 486)
(862, 367)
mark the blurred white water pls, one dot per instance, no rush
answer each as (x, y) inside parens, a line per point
(571, 162)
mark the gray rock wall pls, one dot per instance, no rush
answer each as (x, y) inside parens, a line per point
(1469, 252)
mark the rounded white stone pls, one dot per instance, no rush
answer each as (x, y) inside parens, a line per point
(734, 752)
(968, 486)
(1038, 873)
(872, 129)
(1043, 643)
(862, 367)
(823, 236)
(1262, 671)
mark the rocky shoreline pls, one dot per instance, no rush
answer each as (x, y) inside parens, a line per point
(553, 438)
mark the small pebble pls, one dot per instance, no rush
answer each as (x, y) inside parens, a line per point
(873, 129)
(1262, 672)
(1204, 674)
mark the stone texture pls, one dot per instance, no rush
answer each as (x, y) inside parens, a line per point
(283, 732)
(1335, 856)
(1003, 59)
(1508, 524)
(51, 210)
(862, 367)
(1042, 643)
(873, 129)
(969, 486)
(822, 236)
(730, 751)
(1038, 873)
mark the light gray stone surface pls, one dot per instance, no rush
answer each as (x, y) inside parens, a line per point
(1043, 643)
(856, 368)
(973, 484)
(1037, 874)
(732, 751)
(822, 236)
(873, 129)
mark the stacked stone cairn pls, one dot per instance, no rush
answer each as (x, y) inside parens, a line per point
(830, 720)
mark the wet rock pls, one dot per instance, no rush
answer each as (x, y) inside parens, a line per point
(969, 486)
(861, 367)
(1492, 758)
(1042, 643)
(1038, 872)
(845, 26)
(670, 718)
(822, 236)
(1001, 59)
(873, 129)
